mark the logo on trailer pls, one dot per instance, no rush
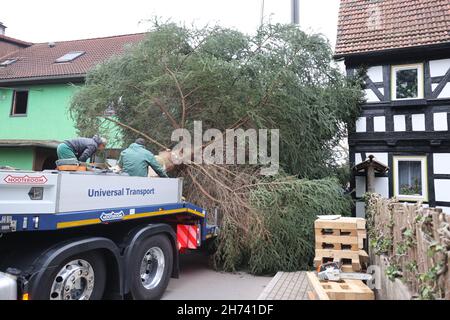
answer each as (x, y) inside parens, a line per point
(112, 216)
(25, 179)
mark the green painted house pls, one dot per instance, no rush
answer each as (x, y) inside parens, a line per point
(37, 82)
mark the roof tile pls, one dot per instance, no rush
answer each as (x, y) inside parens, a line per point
(373, 25)
(38, 60)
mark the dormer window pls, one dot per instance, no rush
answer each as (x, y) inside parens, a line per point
(407, 82)
(7, 62)
(69, 57)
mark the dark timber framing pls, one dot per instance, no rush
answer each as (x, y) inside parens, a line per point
(407, 142)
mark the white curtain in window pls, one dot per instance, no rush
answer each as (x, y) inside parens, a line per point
(410, 177)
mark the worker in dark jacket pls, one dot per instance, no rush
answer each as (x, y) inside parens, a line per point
(80, 148)
(135, 160)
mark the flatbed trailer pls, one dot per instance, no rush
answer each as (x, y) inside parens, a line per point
(85, 235)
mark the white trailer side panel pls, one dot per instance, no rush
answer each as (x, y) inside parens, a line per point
(79, 192)
(15, 187)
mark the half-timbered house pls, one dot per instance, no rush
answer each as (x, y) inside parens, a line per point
(404, 48)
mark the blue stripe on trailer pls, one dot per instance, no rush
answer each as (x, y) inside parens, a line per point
(25, 222)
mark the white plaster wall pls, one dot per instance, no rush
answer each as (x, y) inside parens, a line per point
(360, 209)
(361, 124)
(434, 86)
(445, 209)
(442, 190)
(400, 122)
(382, 186)
(379, 124)
(371, 96)
(445, 93)
(418, 122)
(360, 186)
(440, 121)
(441, 163)
(358, 158)
(375, 73)
(379, 156)
(439, 67)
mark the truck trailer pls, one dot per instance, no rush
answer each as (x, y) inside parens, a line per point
(93, 235)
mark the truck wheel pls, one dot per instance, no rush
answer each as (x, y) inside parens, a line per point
(151, 267)
(80, 277)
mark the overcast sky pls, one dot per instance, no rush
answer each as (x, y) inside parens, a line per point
(52, 20)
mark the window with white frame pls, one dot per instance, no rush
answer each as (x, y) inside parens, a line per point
(407, 82)
(410, 178)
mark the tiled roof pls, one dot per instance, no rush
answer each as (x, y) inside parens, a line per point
(15, 41)
(38, 60)
(373, 25)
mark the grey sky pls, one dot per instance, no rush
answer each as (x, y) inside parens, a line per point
(51, 20)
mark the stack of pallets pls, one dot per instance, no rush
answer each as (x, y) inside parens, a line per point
(341, 239)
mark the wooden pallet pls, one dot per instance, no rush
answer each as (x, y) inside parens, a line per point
(362, 235)
(348, 267)
(344, 290)
(340, 234)
(349, 259)
(341, 223)
(337, 242)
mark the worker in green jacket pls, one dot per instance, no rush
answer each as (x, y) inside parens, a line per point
(135, 160)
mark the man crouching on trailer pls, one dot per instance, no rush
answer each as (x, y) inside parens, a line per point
(80, 148)
(136, 160)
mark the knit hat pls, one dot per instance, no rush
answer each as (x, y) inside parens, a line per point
(140, 141)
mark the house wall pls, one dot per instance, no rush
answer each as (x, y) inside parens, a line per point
(388, 128)
(439, 68)
(47, 115)
(47, 118)
(21, 158)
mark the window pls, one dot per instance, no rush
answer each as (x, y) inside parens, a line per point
(7, 62)
(410, 178)
(20, 103)
(407, 82)
(68, 57)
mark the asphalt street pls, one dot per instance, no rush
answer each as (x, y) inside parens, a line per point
(198, 281)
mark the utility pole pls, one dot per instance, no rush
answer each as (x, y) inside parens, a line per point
(262, 14)
(295, 19)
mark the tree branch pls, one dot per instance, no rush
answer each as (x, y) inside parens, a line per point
(182, 97)
(135, 131)
(201, 188)
(160, 106)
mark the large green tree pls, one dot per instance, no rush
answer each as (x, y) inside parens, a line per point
(280, 78)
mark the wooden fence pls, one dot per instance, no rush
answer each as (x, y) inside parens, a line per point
(416, 242)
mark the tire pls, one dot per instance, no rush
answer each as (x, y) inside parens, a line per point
(149, 279)
(52, 285)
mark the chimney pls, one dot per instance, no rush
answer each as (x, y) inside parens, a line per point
(2, 29)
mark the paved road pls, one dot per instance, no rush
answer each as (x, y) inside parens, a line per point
(200, 282)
